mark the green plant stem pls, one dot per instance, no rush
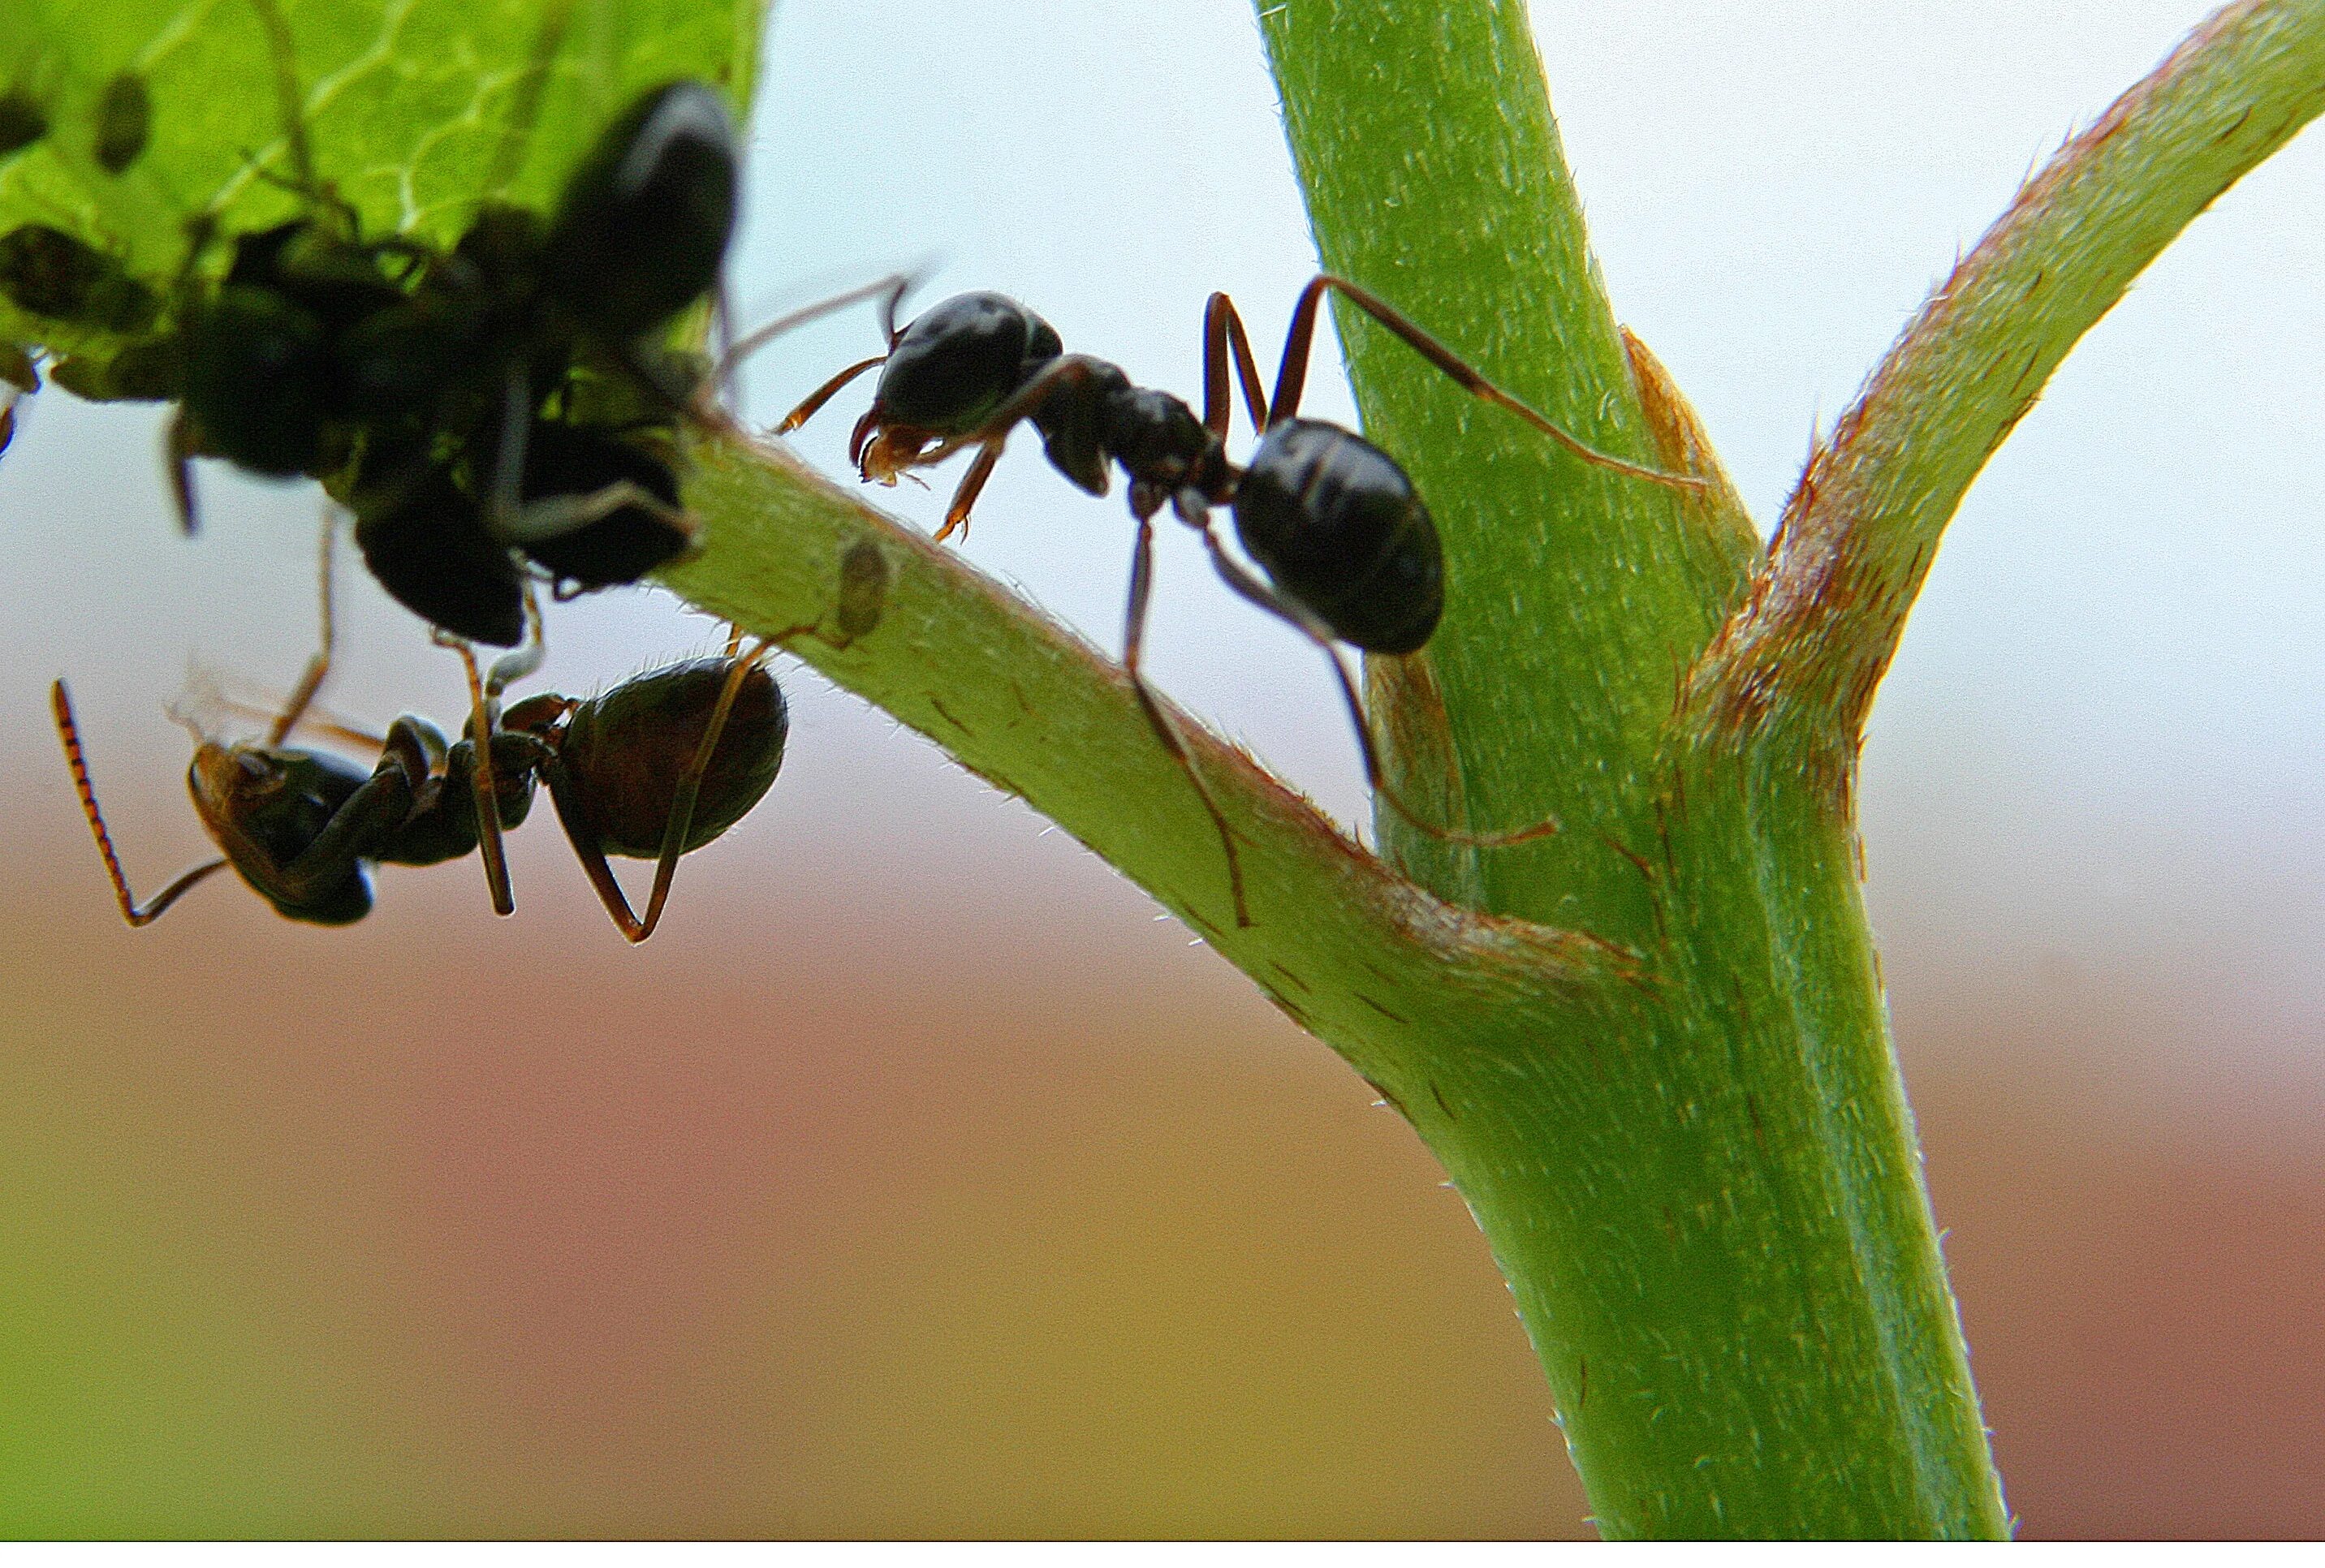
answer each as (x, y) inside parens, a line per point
(1715, 1229)
(1861, 530)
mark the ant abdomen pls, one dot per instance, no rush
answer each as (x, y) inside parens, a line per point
(961, 359)
(626, 750)
(1344, 535)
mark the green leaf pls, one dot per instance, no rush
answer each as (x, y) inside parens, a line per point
(414, 111)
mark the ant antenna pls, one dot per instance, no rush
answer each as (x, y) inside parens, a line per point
(137, 914)
(889, 291)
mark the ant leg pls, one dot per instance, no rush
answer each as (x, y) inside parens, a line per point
(318, 668)
(483, 786)
(315, 721)
(722, 339)
(889, 291)
(555, 516)
(813, 402)
(1133, 637)
(1223, 329)
(515, 435)
(1293, 374)
(178, 453)
(1274, 603)
(137, 914)
(690, 789)
(523, 658)
(971, 484)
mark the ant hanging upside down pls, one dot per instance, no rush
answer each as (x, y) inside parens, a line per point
(1351, 551)
(658, 766)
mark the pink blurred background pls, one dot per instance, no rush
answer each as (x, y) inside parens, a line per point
(918, 1179)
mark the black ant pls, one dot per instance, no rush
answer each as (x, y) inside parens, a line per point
(656, 767)
(1348, 547)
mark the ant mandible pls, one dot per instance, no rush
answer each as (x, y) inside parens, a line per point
(656, 767)
(1351, 551)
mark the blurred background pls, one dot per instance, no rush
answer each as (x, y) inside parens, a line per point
(921, 1177)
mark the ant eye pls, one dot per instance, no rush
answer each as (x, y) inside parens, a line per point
(259, 775)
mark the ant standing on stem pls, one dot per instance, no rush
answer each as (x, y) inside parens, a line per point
(656, 767)
(1348, 548)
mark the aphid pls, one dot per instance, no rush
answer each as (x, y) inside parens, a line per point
(125, 117)
(22, 121)
(47, 271)
(1350, 552)
(864, 577)
(656, 767)
(263, 377)
(453, 380)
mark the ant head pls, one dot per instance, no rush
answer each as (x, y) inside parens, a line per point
(264, 807)
(642, 227)
(960, 360)
(883, 452)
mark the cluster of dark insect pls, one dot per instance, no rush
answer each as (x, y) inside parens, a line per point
(509, 409)
(499, 412)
